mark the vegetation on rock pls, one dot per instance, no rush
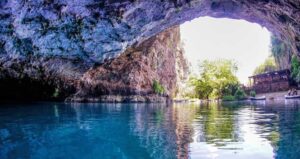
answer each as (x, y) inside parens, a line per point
(158, 88)
(281, 52)
(295, 69)
(56, 93)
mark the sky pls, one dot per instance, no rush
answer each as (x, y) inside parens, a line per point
(206, 38)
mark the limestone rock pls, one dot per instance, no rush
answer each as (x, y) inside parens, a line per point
(56, 41)
(159, 58)
(98, 30)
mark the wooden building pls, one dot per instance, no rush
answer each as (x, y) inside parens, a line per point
(271, 81)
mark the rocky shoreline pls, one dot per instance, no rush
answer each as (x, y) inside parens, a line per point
(121, 99)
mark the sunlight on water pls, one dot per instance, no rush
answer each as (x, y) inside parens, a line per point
(228, 130)
(227, 134)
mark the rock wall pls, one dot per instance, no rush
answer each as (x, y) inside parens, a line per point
(39, 78)
(130, 77)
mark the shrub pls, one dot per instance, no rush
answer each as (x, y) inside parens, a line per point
(252, 93)
(228, 98)
(295, 67)
(157, 87)
(56, 93)
(240, 94)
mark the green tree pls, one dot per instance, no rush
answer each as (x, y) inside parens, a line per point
(268, 66)
(240, 94)
(230, 89)
(216, 78)
(202, 87)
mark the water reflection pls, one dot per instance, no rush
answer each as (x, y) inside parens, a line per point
(210, 130)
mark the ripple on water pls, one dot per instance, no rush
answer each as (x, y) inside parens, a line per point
(236, 130)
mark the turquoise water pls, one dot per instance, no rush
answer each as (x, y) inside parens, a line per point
(142, 131)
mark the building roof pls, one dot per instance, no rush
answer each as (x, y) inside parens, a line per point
(270, 73)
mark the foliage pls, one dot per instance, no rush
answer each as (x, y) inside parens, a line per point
(281, 51)
(230, 89)
(189, 91)
(295, 69)
(252, 93)
(217, 78)
(278, 48)
(203, 87)
(240, 94)
(268, 66)
(157, 87)
(228, 98)
(56, 93)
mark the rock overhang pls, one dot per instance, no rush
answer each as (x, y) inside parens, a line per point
(97, 30)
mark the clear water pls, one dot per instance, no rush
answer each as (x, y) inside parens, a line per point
(142, 131)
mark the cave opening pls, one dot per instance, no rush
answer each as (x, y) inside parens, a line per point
(28, 90)
(242, 49)
(207, 38)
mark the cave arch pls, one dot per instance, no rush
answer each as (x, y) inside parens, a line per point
(98, 30)
(67, 40)
(279, 17)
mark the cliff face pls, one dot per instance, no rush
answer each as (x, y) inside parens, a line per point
(130, 77)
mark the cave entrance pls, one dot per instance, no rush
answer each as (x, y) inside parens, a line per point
(208, 38)
(28, 90)
(223, 53)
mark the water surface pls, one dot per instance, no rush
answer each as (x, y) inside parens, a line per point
(150, 131)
